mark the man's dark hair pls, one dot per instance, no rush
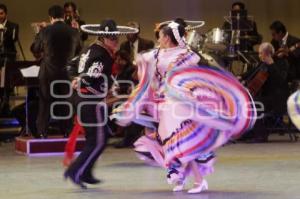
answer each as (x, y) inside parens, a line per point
(3, 7)
(70, 3)
(56, 12)
(278, 27)
(240, 4)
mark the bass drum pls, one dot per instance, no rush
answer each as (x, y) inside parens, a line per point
(211, 59)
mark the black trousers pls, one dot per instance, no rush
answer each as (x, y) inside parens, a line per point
(96, 129)
(46, 99)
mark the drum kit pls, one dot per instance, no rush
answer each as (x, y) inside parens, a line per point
(210, 46)
(220, 48)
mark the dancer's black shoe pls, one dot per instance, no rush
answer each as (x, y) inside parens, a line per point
(76, 182)
(90, 180)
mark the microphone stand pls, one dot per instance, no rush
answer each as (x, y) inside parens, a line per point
(21, 49)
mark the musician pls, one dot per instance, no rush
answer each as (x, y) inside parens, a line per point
(58, 42)
(286, 46)
(135, 44)
(10, 36)
(73, 19)
(249, 35)
(124, 70)
(9, 33)
(273, 89)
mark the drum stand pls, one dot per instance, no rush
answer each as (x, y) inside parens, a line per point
(234, 52)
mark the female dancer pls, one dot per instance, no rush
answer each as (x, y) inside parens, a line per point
(191, 110)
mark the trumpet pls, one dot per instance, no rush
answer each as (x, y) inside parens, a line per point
(37, 26)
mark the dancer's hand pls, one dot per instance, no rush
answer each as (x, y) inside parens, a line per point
(75, 83)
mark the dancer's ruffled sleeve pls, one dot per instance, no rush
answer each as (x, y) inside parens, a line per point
(128, 111)
(293, 104)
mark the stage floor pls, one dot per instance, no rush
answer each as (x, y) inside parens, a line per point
(243, 171)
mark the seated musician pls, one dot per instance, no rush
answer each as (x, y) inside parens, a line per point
(268, 85)
(249, 34)
(286, 46)
(124, 70)
(135, 43)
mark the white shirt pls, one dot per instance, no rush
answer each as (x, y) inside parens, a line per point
(284, 39)
(4, 23)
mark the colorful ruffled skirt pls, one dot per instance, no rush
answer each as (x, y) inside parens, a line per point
(203, 109)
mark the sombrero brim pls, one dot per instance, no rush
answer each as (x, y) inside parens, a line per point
(191, 25)
(94, 29)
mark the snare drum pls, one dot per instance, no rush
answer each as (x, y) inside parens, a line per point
(216, 40)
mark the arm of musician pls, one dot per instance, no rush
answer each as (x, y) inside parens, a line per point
(282, 52)
(37, 45)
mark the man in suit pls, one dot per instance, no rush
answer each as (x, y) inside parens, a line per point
(9, 32)
(287, 47)
(135, 44)
(59, 43)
